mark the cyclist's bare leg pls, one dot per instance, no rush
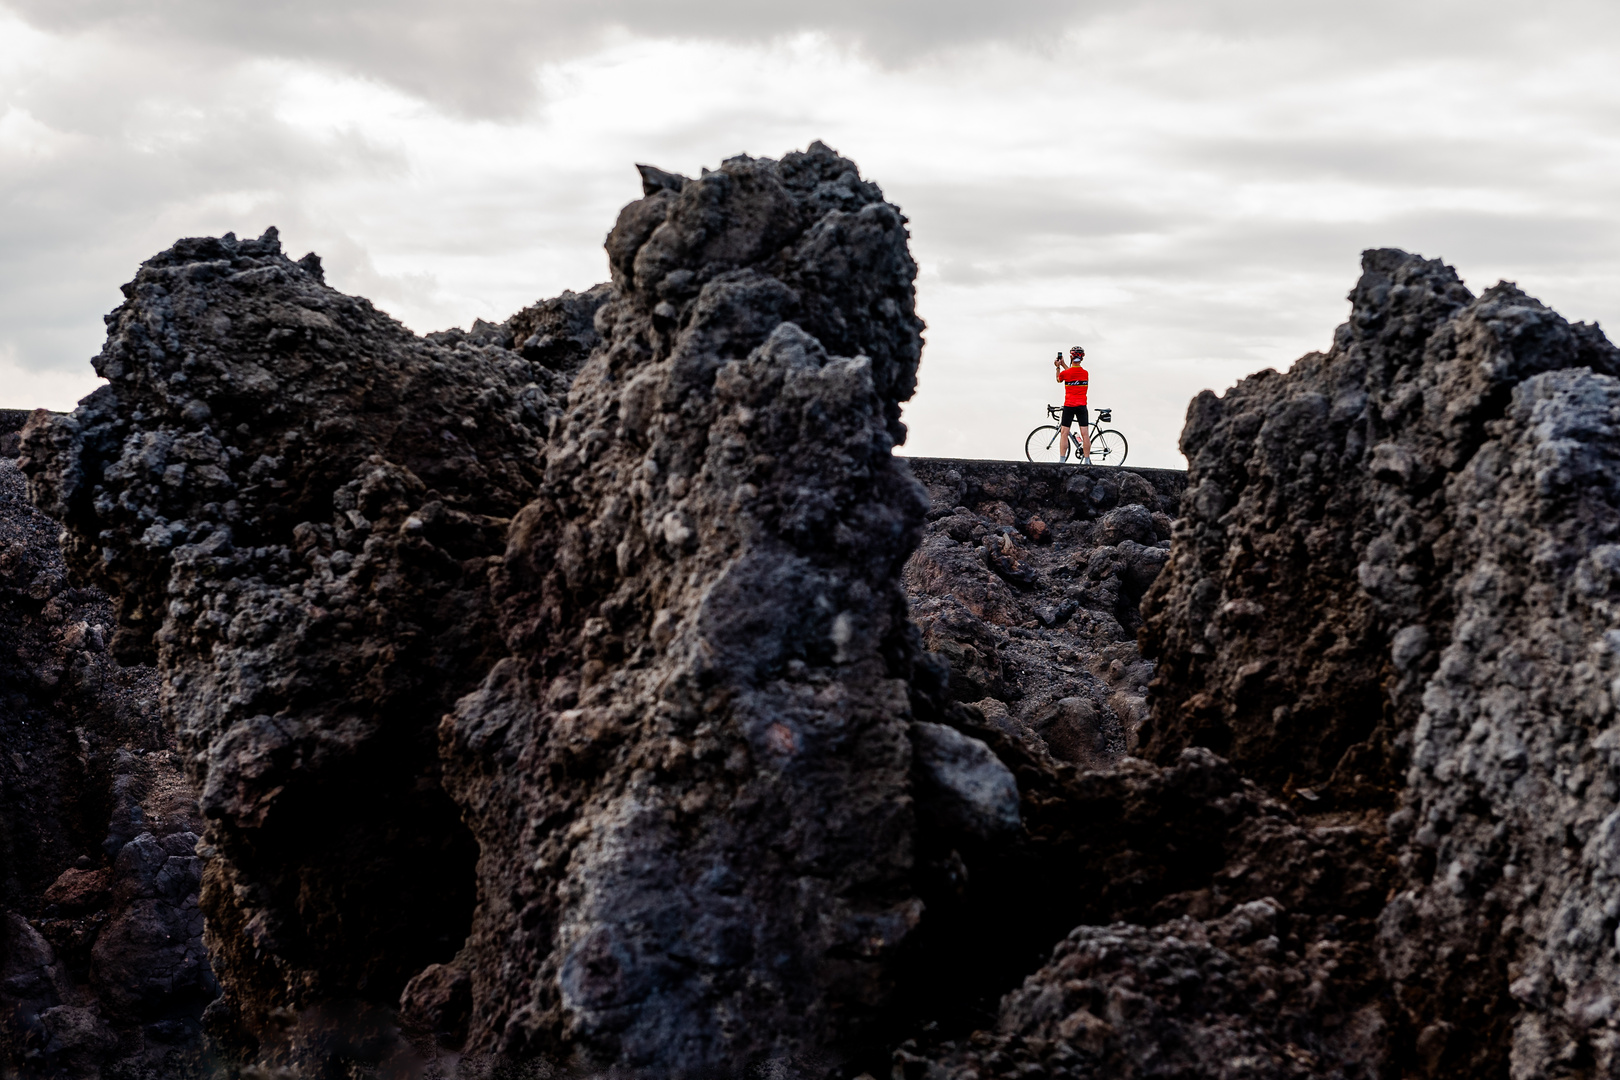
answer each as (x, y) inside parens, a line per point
(1064, 441)
(1085, 443)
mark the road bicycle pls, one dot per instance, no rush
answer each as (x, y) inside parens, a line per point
(1108, 447)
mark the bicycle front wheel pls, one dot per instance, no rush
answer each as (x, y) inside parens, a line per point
(1108, 447)
(1042, 444)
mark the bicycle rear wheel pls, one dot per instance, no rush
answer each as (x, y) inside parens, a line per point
(1108, 447)
(1042, 444)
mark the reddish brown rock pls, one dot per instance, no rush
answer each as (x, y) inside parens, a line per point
(77, 890)
(87, 778)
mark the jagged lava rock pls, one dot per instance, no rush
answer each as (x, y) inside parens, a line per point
(296, 502)
(691, 780)
(12, 421)
(1394, 585)
(1027, 581)
(101, 951)
(1211, 931)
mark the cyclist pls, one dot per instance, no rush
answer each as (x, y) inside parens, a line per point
(1075, 381)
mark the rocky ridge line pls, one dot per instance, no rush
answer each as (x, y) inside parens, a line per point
(733, 813)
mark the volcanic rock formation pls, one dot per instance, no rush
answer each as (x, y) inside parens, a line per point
(1389, 603)
(691, 780)
(599, 688)
(1198, 922)
(295, 502)
(1395, 587)
(101, 950)
(698, 779)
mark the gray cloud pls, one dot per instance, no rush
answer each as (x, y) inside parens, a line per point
(1183, 184)
(1190, 251)
(1415, 161)
(1012, 211)
(1378, 34)
(59, 216)
(479, 56)
(1531, 242)
(111, 182)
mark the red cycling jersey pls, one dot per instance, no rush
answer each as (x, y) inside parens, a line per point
(1075, 380)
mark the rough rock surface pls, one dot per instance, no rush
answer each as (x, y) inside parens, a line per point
(691, 780)
(12, 421)
(1219, 934)
(1204, 928)
(101, 953)
(1393, 587)
(1027, 581)
(610, 597)
(1389, 604)
(296, 503)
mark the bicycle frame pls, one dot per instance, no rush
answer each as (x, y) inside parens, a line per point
(1104, 416)
(1108, 447)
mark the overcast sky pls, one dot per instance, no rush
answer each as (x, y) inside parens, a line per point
(1182, 186)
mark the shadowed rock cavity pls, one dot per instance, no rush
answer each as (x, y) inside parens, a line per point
(295, 502)
(691, 780)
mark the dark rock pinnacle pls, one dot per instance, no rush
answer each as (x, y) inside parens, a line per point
(691, 778)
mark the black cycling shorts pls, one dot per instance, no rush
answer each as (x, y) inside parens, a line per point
(1076, 412)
